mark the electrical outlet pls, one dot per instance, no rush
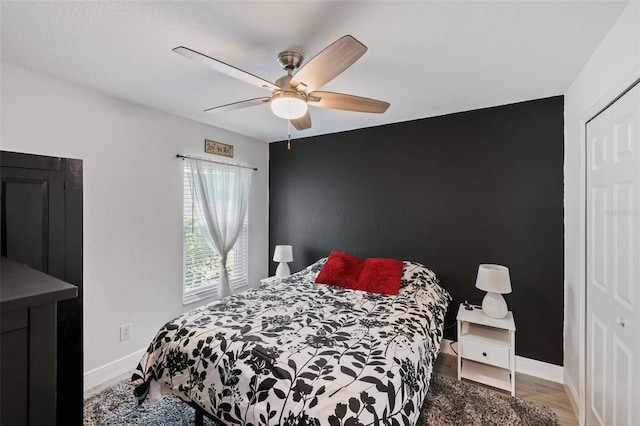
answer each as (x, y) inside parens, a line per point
(125, 332)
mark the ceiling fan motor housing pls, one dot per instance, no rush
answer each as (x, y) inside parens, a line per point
(288, 102)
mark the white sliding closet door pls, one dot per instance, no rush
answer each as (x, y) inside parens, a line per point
(613, 264)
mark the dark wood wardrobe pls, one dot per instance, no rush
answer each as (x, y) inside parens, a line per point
(41, 227)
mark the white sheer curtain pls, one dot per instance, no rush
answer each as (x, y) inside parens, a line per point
(221, 192)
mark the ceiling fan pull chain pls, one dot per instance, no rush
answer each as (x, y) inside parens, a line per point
(289, 132)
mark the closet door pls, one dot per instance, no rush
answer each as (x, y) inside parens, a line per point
(613, 264)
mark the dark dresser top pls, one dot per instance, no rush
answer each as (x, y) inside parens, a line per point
(22, 287)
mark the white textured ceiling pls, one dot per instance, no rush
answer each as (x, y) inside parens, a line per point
(425, 58)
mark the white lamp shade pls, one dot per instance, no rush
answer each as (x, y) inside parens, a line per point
(493, 279)
(283, 254)
(289, 105)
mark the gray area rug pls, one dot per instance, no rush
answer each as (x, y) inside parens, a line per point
(448, 402)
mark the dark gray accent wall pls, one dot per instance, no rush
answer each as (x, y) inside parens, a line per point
(450, 192)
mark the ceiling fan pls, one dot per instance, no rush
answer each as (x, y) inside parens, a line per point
(292, 93)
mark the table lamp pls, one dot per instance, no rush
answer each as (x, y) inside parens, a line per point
(494, 279)
(283, 254)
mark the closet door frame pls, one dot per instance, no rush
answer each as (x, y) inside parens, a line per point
(615, 92)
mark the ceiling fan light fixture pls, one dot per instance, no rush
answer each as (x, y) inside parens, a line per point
(289, 104)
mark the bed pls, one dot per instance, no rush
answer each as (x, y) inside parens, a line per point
(297, 352)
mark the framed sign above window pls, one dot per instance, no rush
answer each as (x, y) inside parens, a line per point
(218, 148)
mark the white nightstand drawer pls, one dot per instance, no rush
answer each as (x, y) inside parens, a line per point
(486, 353)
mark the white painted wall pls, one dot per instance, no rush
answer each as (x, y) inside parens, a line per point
(132, 200)
(611, 69)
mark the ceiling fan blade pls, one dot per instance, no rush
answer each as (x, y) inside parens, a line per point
(303, 122)
(328, 64)
(239, 105)
(346, 102)
(224, 68)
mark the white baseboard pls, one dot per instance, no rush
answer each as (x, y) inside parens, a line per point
(445, 347)
(531, 367)
(542, 370)
(574, 397)
(103, 376)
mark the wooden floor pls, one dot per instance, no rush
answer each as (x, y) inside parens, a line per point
(551, 394)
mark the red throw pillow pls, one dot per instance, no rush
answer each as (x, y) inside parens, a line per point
(380, 276)
(340, 269)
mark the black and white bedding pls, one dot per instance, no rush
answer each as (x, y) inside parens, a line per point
(297, 353)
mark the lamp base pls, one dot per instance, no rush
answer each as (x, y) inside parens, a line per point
(494, 305)
(283, 270)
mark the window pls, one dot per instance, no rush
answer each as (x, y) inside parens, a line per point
(201, 264)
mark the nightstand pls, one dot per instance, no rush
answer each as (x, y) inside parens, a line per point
(486, 349)
(268, 280)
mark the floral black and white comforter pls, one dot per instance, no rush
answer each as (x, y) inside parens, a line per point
(297, 353)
